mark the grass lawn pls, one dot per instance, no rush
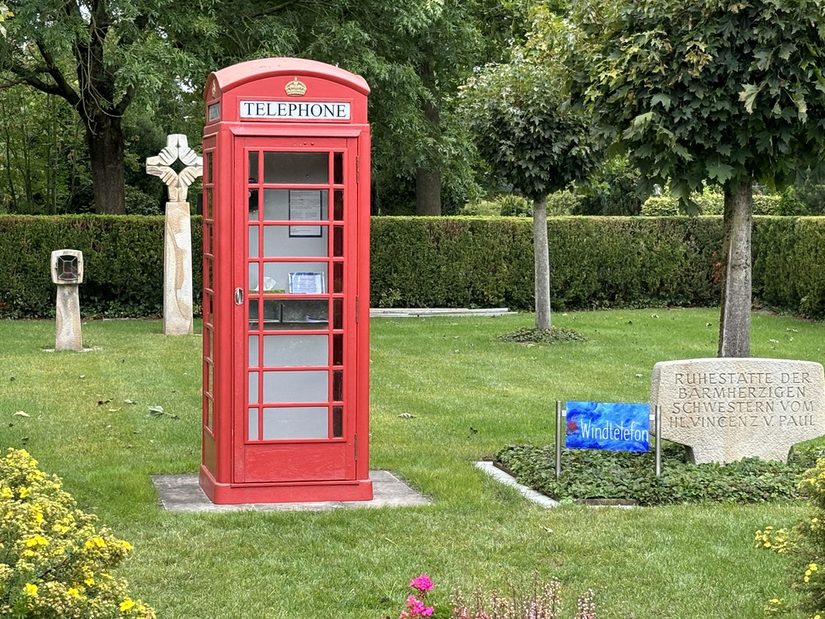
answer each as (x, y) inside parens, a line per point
(469, 394)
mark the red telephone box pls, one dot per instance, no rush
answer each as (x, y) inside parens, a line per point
(286, 284)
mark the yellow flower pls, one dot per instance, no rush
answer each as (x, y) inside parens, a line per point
(36, 540)
(95, 542)
(126, 605)
(74, 592)
(24, 492)
(30, 590)
(6, 493)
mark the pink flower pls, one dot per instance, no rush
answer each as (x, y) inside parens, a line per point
(422, 583)
(417, 608)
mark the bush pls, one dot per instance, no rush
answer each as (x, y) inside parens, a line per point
(805, 545)
(505, 205)
(589, 474)
(713, 203)
(123, 257)
(443, 262)
(56, 564)
(595, 262)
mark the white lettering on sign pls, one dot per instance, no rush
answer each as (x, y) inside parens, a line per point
(295, 110)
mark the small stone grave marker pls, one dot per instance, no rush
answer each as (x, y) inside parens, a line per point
(727, 409)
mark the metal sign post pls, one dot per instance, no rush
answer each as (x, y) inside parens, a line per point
(559, 415)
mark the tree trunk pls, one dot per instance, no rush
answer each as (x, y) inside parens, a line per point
(428, 175)
(542, 264)
(104, 137)
(735, 321)
(427, 192)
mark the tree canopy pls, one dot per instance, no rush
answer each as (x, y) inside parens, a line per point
(711, 91)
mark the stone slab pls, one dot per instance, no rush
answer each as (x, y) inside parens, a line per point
(182, 493)
(726, 409)
(423, 312)
(68, 335)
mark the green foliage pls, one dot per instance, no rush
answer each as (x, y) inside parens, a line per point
(612, 189)
(596, 262)
(592, 474)
(123, 258)
(563, 202)
(543, 336)
(805, 546)
(443, 262)
(713, 203)
(528, 132)
(506, 205)
(712, 91)
(56, 563)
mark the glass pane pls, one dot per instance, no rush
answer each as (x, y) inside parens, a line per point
(253, 387)
(338, 349)
(253, 351)
(309, 422)
(338, 277)
(295, 204)
(337, 422)
(207, 206)
(279, 242)
(208, 168)
(211, 345)
(338, 242)
(273, 314)
(208, 276)
(253, 167)
(253, 242)
(210, 377)
(252, 204)
(289, 314)
(276, 204)
(253, 277)
(338, 314)
(253, 315)
(207, 378)
(253, 424)
(295, 350)
(338, 166)
(209, 413)
(207, 238)
(338, 386)
(289, 386)
(296, 168)
(276, 277)
(309, 314)
(338, 205)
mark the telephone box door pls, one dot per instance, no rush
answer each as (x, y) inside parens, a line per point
(295, 272)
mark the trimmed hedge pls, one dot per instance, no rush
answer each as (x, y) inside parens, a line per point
(595, 261)
(443, 262)
(122, 255)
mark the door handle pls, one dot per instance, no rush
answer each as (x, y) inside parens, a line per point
(238, 296)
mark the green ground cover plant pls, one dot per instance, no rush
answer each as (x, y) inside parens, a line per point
(445, 392)
(588, 474)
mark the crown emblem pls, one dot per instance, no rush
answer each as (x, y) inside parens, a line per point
(295, 88)
(214, 89)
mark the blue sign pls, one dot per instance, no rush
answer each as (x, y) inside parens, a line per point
(615, 426)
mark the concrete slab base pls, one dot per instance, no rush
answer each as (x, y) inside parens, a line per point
(424, 312)
(182, 493)
(508, 480)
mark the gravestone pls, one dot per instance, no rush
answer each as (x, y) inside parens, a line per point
(177, 239)
(726, 409)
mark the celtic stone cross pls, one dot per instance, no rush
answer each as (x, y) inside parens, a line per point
(177, 147)
(177, 239)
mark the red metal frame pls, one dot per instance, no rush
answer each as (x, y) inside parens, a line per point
(238, 466)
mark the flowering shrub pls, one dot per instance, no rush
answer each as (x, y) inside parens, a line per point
(543, 602)
(805, 544)
(54, 563)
